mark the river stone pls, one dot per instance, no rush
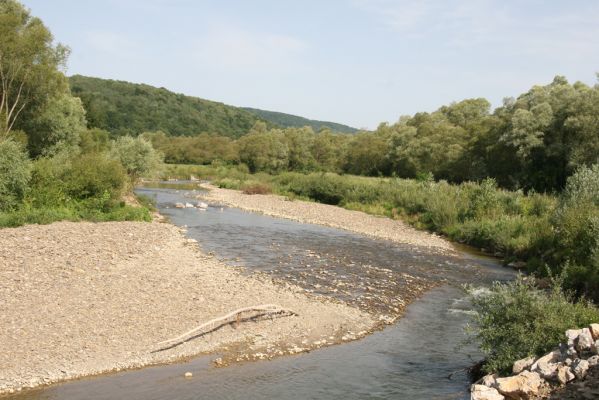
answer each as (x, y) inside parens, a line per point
(523, 386)
(564, 374)
(594, 328)
(482, 392)
(580, 368)
(523, 364)
(595, 347)
(593, 361)
(585, 341)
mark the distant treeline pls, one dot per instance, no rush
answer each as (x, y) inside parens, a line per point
(533, 142)
(124, 108)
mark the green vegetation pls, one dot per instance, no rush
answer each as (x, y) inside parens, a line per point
(517, 320)
(293, 121)
(51, 166)
(124, 108)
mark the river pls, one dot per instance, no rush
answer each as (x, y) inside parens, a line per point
(411, 359)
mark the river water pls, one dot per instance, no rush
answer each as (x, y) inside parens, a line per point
(411, 359)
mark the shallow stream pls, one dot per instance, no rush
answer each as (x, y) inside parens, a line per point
(411, 359)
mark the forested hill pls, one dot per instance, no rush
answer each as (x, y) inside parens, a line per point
(125, 108)
(294, 121)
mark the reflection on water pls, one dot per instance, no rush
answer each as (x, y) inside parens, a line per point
(409, 360)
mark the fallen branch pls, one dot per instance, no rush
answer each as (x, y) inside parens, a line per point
(233, 316)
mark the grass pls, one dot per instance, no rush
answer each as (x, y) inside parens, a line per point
(76, 212)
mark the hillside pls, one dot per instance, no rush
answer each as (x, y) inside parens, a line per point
(290, 121)
(125, 108)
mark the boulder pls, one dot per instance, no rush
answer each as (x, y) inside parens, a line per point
(584, 342)
(547, 370)
(572, 335)
(580, 368)
(594, 328)
(482, 392)
(188, 205)
(564, 374)
(593, 361)
(552, 357)
(595, 347)
(523, 364)
(489, 380)
(523, 386)
(179, 205)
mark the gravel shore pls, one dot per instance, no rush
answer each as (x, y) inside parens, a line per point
(323, 214)
(80, 299)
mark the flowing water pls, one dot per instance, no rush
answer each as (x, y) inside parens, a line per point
(411, 359)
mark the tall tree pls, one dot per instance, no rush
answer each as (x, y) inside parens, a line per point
(30, 65)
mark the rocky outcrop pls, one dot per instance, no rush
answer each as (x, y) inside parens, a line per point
(537, 378)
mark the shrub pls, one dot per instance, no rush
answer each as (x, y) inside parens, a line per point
(254, 187)
(137, 156)
(94, 175)
(15, 173)
(516, 320)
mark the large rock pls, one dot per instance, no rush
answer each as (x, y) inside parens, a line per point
(584, 342)
(593, 361)
(489, 380)
(553, 357)
(594, 328)
(580, 368)
(564, 374)
(523, 386)
(595, 347)
(547, 370)
(572, 335)
(523, 364)
(482, 392)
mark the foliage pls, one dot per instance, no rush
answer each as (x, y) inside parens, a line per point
(137, 156)
(124, 108)
(293, 121)
(15, 173)
(29, 66)
(254, 187)
(516, 320)
(58, 127)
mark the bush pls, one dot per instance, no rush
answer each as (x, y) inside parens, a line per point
(137, 156)
(94, 175)
(15, 173)
(254, 187)
(516, 320)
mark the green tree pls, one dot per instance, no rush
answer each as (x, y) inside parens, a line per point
(137, 156)
(58, 127)
(29, 65)
(263, 150)
(15, 173)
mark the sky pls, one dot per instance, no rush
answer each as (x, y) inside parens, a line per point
(358, 62)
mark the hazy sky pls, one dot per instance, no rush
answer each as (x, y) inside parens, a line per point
(357, 62)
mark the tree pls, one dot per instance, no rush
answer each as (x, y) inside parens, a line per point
(137, 156)
(263, 150)
(29, 65)
(58, 127)
(15, 173)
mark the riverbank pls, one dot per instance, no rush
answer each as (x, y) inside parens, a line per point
(79, 299)
(327, 215)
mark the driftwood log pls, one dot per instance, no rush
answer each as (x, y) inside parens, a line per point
(233, 316)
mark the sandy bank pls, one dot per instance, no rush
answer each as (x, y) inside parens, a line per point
(81, 299)
(323, 214)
